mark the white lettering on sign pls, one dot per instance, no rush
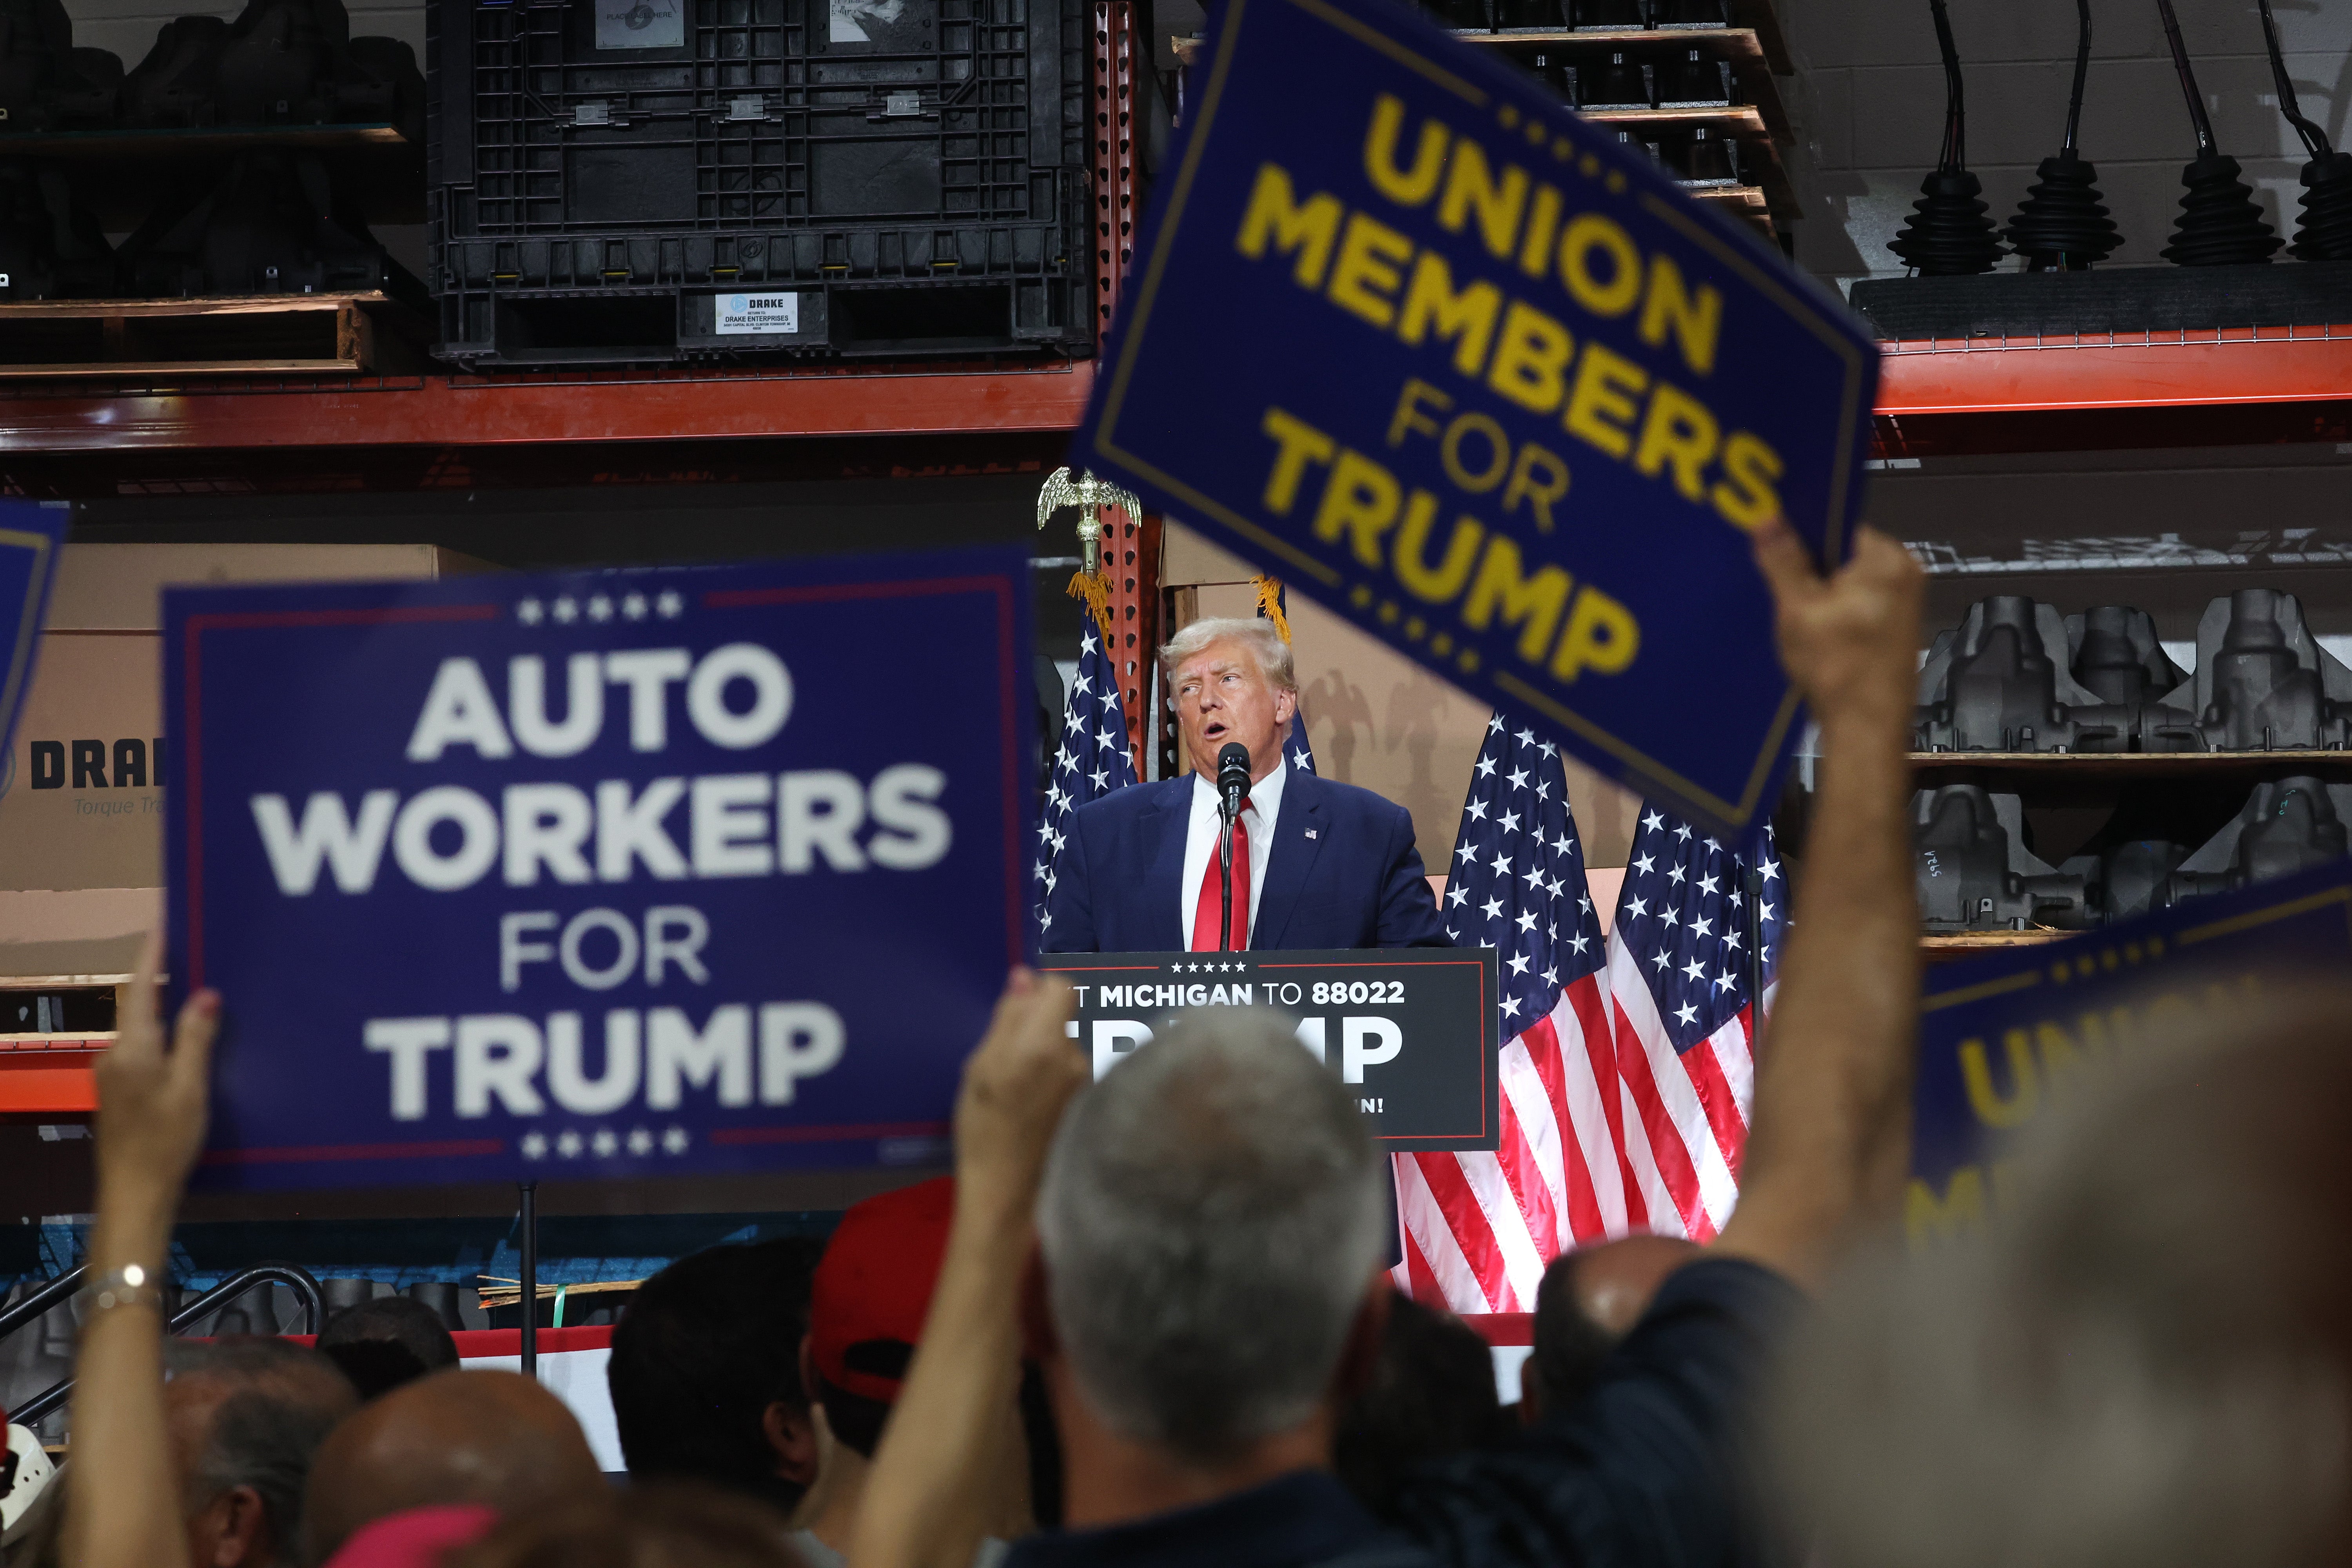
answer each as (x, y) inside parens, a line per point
(1112, 1039)
(460, 711)
(743, 314)
(506, 1062)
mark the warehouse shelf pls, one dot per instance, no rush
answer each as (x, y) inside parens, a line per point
(241, 335)
(53, 1080)
(457, 411)
(1759, 124)
(2047, 766)
(2214, 387)
(1729, 43)
(2190, 388)
(1740, 119)
(120, 173)
(1949, 947)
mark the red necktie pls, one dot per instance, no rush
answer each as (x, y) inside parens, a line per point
(1205, 912)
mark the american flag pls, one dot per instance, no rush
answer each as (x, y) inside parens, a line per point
(1607, 1127)
(1679, 977)
(1480, 1227)
(1299, 752)
(1092, 761)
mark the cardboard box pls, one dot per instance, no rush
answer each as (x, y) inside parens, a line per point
(81, 822)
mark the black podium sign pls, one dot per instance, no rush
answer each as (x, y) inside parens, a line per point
(1413, 1032)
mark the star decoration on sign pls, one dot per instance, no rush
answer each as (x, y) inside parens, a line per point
(534, 1146)
(530, 612)
(567, 610)
(606, 1143)
(567, 1143)
(633, 606)
(641, 1143)
(600, 608)
(670, 604)
(675, 1140)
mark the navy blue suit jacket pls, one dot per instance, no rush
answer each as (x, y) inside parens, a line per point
(1357, 882)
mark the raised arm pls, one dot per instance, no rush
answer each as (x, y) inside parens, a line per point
(122, 1499)
(929, 1498)
(1832, 1126)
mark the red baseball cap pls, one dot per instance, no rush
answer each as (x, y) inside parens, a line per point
(873, 1287)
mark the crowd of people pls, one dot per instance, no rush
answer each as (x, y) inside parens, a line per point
(1145, 1320)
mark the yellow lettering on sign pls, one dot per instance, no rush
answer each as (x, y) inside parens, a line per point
(1957, 1212)
(1361, 501)
(1467, 316)
(1274, 217)
(1531, 603)
(1406, 187)
(1994, 1108)
(1601, 636)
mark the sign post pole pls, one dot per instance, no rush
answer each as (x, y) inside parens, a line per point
(530, 1279)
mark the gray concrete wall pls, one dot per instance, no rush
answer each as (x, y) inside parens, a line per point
(1869, 105)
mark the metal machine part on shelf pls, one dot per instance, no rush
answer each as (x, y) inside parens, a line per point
(1529, 16)
(1974, 872)
(2000, 682)
(2287, 826)
(2326, 232)
(1619, 84)
(2220, 224)
(1609, 15)
(281, 62)
(173, 84)
(1687, 13)
(2113, 653)
(288, 62)
(50, 246)
(2128, 879)
(46, 83)
(1950, 233)
(1693, 82)
(271, 224)
(2063, 226)
(2262, 682)
(1705, 157)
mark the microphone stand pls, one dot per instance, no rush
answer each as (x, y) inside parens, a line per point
(1225, 869)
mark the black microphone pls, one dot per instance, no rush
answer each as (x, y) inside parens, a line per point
(1233, 778)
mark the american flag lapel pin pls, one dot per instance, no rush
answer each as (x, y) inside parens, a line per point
(1310, 833)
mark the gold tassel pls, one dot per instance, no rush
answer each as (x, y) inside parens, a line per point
(1269, 604)
(1093, 588)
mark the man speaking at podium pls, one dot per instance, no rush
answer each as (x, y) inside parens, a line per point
(1314, 864)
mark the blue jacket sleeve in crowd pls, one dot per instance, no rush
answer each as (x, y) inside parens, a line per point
(1650, 1468)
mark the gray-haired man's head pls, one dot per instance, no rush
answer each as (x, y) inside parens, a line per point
(1210, 1218)
(245, 1417)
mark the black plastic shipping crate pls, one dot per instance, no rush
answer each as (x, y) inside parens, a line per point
(632, 181)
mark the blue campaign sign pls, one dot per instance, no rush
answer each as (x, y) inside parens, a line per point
(622, 874)
(2003, 1038)
(29, 538)
(1470, 371)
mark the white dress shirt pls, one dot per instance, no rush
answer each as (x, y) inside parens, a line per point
(1258, 814)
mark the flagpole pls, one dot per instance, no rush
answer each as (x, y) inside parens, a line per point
(1753, 918)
